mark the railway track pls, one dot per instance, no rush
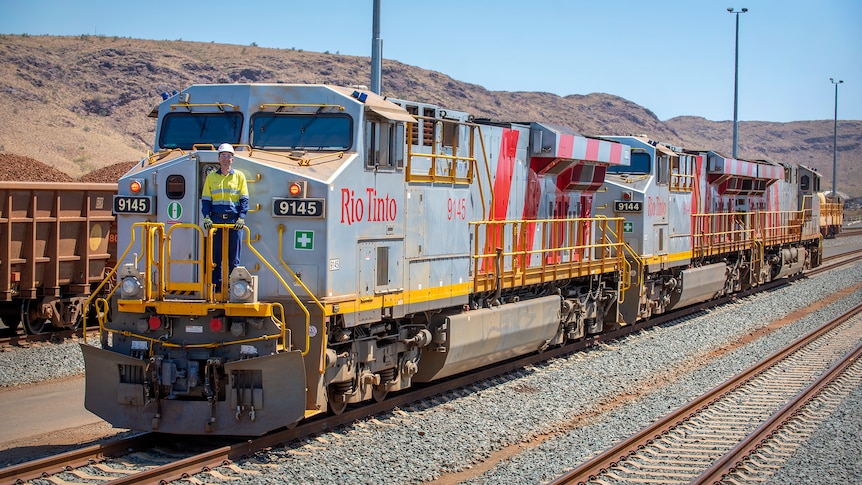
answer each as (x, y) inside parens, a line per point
(734, 431)
(11, 339)
(100, 461)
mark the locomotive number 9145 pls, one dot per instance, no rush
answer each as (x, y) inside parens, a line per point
(297, 207)
(124, 204)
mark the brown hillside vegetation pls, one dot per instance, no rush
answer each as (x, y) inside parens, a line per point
(80, 104)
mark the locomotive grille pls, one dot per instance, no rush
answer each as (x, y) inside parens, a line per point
(131, 374)
(427, 126)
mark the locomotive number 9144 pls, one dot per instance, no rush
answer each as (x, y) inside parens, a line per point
(628, 206)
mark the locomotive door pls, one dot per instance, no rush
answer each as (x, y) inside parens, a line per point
(177, 203)
(379, 267)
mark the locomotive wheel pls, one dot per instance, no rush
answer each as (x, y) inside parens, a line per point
(32, 323)
(379, 394)
(337, 407)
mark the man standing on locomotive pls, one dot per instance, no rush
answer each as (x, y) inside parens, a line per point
(224, 201)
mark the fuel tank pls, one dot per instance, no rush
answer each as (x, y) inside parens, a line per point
(477, 338)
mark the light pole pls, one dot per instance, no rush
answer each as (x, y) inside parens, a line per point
(376, 48)
(835, 141)
(736, 83)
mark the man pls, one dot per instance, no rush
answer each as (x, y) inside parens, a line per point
(225, 201)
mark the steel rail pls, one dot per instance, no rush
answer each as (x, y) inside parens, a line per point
(728, 463)
(32, 470)
(612, 456)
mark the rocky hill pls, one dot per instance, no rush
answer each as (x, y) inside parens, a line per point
(80, 104)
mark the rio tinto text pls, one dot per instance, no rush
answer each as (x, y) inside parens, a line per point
(371, 208)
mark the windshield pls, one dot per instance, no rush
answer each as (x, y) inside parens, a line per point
(640, 164)
(183, 130)
(321, 131)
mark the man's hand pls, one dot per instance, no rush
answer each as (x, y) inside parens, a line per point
(207, 223)
(239, 224)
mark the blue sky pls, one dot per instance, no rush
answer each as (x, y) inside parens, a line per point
(674, 57)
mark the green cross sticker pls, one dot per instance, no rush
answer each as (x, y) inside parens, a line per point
(175, 211)
(628, 226)
(303, 240)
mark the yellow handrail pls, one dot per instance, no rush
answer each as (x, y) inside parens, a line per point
(566, 250)
(317, 302)
(155, 232)
(449, 175)
(108, 277)
(628, 268)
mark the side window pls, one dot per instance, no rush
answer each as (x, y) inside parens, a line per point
(662, 170)
(682, 173)
(384, 143)
(805, 183)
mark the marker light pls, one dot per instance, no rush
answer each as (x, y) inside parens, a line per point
(295, 189)
(135, 186)
(155, 322)
(216, 325)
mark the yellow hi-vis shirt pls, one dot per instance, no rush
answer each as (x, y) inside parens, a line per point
(225, 194)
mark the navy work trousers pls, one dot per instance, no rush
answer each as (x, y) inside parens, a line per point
(233, 250)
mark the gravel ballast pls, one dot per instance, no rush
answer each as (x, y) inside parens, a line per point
(419, 444)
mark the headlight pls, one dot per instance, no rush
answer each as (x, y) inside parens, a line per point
(131, 288)
(242, 286)
(241, 290)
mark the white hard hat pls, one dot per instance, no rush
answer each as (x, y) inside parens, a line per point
(225, 147)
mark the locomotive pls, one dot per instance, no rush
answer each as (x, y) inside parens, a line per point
(702, 225)
(392, 242)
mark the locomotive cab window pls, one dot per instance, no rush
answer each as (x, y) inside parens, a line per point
(640, 163)
(184, 130)
(804, 183)
(302, 131)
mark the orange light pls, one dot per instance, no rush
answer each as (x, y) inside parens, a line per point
(215, 325)
(135, 186)
(295, 189)
(155, 322)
